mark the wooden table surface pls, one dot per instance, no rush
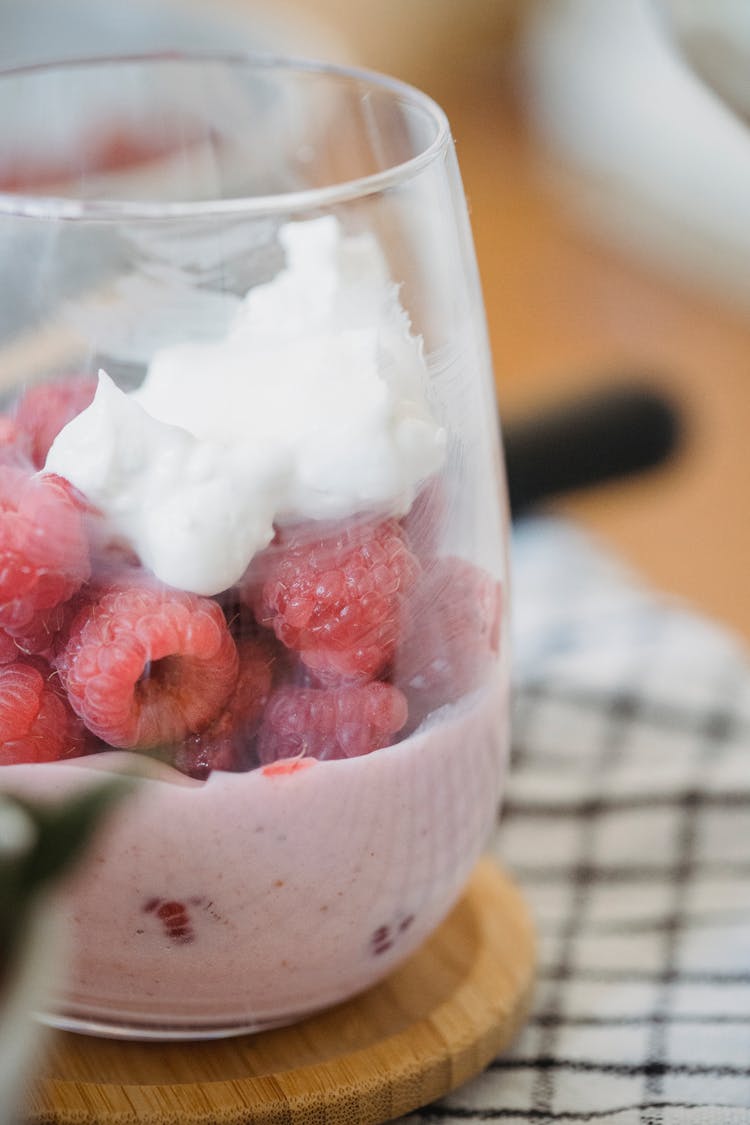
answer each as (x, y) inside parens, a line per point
(566, 312)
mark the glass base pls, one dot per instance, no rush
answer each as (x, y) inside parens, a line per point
(154, 1032)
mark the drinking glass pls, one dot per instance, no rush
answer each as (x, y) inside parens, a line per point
(252, 524)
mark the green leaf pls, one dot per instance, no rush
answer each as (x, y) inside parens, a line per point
(61, 832)
(64, 830)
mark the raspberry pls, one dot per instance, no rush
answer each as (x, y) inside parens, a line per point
(326, 724)
(43, 410)
(36, 724)
(241, 620)
(451, 631)
(385, 937)
(146, 665)
(14, 444)
(227, 744)
(8, 648)
(336, 600)
(44, 554)
(174, 917)
(48, 626)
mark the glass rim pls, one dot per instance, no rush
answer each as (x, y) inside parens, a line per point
(53, 207)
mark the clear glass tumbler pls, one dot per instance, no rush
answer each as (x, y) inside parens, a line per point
(252, 526)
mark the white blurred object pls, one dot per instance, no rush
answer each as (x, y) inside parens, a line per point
(715, 37)
(26, 981)
(44, 30)
(22, 1037)
(665, 163)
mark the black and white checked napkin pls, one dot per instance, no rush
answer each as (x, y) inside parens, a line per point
(627, 823)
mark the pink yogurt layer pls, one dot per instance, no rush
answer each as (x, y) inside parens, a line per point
(252, 899)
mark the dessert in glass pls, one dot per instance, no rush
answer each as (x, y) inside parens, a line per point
(253, 527)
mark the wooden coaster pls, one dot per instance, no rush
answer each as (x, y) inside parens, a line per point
(428, 1028)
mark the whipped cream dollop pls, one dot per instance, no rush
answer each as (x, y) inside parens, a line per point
(311, 407)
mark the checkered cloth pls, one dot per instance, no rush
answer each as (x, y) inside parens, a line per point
(627, 823)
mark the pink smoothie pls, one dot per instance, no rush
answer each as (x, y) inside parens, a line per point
(252, 899)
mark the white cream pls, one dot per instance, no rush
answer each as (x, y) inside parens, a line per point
(194, 511)
(311, 407)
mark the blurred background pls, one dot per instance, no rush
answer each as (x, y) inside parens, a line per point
(609, 192)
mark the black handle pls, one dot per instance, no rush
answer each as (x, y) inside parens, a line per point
(599, 437)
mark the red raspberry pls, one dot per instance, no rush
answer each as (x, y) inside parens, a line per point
(39, 642)
(43, 410)
(36, 724)
(336, 600)
(47, 630)
(146, 665)
(451, 631)
(44, 554)
(326, 724)
(175, 919)
(8, 648)
(227, 744)
(76, 498)
(14, 444)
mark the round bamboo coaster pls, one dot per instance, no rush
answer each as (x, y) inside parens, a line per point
(426, 1029)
